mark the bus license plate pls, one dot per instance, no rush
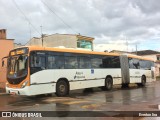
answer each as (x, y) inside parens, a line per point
(14, 92)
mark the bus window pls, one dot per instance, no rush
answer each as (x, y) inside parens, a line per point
(71, 62)
(84, 62)
(51, 62)
(111, 62)
(144, 64)
(37, 61)
(148, 65)
(96, 62)
(134, 63)
(60, 62)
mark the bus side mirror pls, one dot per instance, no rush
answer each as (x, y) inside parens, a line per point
(2, 63)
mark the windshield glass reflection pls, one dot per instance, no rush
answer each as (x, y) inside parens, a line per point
(17, 66)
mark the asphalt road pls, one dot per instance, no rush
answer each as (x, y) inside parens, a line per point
(89, 103)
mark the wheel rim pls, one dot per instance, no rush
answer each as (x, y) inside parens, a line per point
(62, 88)
(109, 84)
(143, 82)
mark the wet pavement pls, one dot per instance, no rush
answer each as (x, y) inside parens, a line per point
(90, 100)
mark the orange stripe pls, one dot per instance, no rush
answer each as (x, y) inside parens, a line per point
(140, 57)
(70, 50)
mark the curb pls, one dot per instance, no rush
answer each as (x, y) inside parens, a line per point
(3, 94)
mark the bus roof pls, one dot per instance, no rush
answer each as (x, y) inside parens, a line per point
(140, 57)
(72, 50)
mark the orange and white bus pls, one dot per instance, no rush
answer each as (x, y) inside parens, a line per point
(42, 70)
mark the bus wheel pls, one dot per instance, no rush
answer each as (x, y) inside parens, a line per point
(125, 85)
(108, 83)
(143, 81)
(62, 88)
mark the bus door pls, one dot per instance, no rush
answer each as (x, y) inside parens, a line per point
(125, 69)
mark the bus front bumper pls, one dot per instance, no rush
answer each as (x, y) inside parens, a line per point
(18, 91)
(32, 90)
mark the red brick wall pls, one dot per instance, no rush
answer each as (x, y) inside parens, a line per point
(5, 47)
(2, 34)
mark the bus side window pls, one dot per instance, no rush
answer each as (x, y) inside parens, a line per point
(71, 62)
(111, 62)
(42, 62)
(134, 63)
(149, 65)
(84, 62)
(51, 62)
(144, 64)
(96, 62)
(38, 60)
(60, 62)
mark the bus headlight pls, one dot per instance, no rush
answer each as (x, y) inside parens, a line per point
(24, 84)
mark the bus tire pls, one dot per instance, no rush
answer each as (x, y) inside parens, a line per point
(108, 84)
(143, 81)
(103, 88)
(62, 88)
(125, 85)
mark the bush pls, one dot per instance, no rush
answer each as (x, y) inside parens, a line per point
(157, 77)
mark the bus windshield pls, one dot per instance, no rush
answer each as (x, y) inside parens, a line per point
(17, 66)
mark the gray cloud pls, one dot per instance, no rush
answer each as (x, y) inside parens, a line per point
(147, 6)
(106, 20)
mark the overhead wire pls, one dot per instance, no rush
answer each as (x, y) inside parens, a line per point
(53, 12)
(25, 17)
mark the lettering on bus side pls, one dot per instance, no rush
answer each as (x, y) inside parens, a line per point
(79, 75)
(92, 71)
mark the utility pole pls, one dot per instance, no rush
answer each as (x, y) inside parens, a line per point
(41, 35)
(126, 42)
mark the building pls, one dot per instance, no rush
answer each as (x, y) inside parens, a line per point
(66, 40)
(16, 45)
(5, 46)
(119, 51)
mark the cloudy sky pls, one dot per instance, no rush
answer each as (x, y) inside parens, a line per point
(113, 23)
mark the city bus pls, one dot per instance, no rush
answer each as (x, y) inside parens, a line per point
(42, 70)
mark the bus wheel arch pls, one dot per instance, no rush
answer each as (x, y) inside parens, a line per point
(108, 83)
(62, 87)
